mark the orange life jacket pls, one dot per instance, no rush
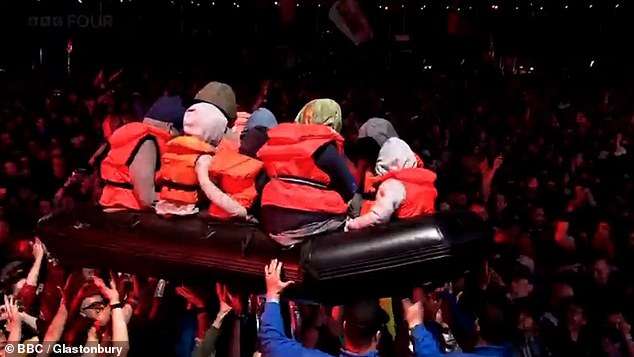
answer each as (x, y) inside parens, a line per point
(115, 167)
(178, 169)
(370, 185)
(420, 197)
(235, 175)
(296, 182)
(228, 144)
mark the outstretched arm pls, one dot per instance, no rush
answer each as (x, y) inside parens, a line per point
(389, 198)
(213, 193)
(273, 340)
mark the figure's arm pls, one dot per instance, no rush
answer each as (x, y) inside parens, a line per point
(142, 173)
(335, 165)
(98, 155)
(55, 330)
(213, 193)
(389, 198)
(424, 343)
(273, 340)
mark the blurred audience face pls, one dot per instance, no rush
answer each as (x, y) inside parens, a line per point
(601, 272)
(10, 169)
(575, 317)
(45, 208)
(561, 291)
(526, 323)
(6, 140)
(538, 217)
(59, 167)
(96, 308)
(521, 288)
(532, 186)
(40, 124)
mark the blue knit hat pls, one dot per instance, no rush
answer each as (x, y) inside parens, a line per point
(261, 117)
(168, 109)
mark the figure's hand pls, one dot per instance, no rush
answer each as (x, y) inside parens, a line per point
(274, 284)
(109, 292)
(38, 249)
(13, 314)
(413, 312)
(497, 163)
(191, 297)
(221, 292)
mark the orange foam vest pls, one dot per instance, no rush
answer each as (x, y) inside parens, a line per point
(235, 175)
(420, 196)
(228, 144)
(124, 143)
(296, 182)
(178, 169)
(370, 185)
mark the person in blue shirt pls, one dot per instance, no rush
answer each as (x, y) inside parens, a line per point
(361, 327)
(362, 322)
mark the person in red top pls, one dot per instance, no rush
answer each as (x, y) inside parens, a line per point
(405, 190)
(310, 179)
(129, 165)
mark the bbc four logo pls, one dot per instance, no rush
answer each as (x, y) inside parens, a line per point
(72, 21)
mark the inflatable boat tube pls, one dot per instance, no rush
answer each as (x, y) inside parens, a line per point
(376, 261)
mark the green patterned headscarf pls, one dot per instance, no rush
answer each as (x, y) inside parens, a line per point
(321, 111)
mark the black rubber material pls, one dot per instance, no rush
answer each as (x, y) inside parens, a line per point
(334, 267)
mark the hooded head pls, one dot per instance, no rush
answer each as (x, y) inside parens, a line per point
(321, 111)
(206, 122)
(395, 155)
(221, 96)
(255, 133)
(378, 129)
(168, 109)
(262, 117)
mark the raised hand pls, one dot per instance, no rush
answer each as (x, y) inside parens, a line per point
(497, 163)
(413, 312)
(38, 249)
(13, 312)
(110, 292)
(274, 284)
(191, 297)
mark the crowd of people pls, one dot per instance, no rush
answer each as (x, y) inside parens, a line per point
(545, 162)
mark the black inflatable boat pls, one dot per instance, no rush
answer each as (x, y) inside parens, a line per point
(334, 267)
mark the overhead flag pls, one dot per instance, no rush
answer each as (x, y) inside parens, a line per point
(350, 19)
